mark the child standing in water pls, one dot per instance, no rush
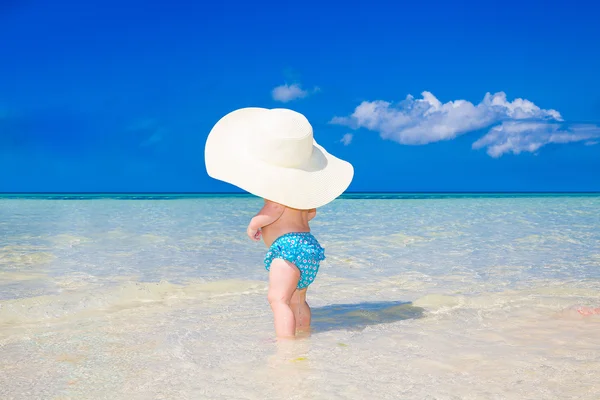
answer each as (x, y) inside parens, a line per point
(272, 154)
(292, 261)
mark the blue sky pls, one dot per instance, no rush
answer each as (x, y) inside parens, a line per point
(120, 95)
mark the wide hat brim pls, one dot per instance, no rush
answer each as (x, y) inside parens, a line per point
(228, 158)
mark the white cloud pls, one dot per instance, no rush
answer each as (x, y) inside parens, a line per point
(517, 137)
(516, 126)
(427, 120)
(347, 139)
(286, 93)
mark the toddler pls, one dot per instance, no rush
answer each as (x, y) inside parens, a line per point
(272, 154)
(292, 261)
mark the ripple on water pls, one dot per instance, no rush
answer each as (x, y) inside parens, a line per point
(22, 256)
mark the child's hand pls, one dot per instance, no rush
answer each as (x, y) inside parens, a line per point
(253, 234)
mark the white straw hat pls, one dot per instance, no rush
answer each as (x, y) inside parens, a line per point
(271, 153)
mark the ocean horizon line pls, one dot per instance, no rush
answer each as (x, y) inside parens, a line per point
(348, 192)
(346, 195)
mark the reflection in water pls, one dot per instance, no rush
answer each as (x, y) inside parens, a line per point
(356, 317)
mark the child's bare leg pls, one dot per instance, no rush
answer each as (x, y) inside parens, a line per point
(301, 310)
(283, 279)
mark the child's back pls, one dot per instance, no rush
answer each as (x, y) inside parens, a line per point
(288, 220)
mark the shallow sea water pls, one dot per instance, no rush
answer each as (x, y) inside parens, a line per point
(419, 298)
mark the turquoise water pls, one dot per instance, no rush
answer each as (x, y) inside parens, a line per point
(421, 296)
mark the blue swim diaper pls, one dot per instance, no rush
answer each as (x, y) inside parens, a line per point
(302, 250)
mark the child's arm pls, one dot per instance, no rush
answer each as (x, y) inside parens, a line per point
(266, 216)
(312, 213)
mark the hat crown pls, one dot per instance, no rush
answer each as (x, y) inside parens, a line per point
(283, 138)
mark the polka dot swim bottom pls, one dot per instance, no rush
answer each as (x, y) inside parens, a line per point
(302, 250)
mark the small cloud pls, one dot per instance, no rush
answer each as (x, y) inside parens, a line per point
(286, 93)
(347, 139)
(592, 143)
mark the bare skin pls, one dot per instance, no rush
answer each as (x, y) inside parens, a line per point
(290, 309)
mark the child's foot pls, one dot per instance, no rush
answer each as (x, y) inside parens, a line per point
(302, 334)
